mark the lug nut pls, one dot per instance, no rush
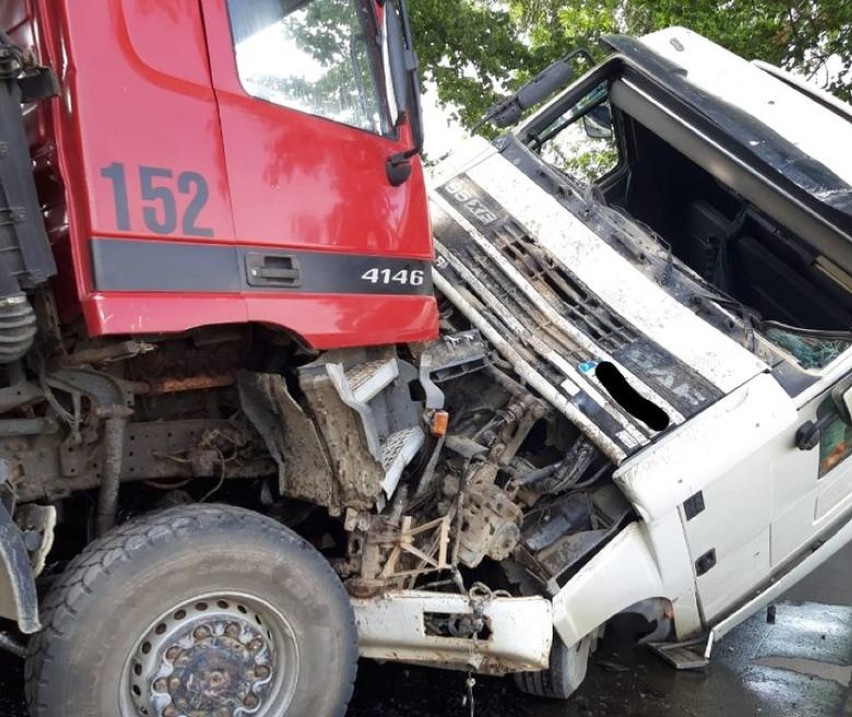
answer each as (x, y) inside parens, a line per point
(261, 672)
(251, 701)
(170, 711)
(255, 644)
(172, 653)
(161, 685)
(232, 629)
(201, 632)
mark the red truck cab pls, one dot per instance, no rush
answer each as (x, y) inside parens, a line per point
(225, 161)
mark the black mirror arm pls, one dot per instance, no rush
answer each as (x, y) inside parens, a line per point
(809, 433)
(551, 79)
(398, 165)
(403, 157)
(412, 65)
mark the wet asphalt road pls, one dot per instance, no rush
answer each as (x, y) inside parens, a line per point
(800, 666)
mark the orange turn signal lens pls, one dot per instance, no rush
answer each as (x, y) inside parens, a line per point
(440, 421)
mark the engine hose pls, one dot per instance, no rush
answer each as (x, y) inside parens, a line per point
(561, 476)
(535, 476)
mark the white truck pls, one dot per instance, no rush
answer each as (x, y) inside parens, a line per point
(662, 255)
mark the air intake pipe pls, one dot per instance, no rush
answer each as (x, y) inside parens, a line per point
(17, 326)
(26, 259)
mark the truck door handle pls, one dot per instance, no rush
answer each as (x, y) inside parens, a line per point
(288, 275)
(272, 270)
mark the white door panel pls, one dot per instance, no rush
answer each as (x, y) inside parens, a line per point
(735, 575)
(811, 487)
(834, 493)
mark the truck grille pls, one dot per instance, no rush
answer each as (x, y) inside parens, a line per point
(565, 294)
(563, 290)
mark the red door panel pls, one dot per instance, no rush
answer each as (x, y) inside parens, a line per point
(190, 203)
(309, 184)
(139, 151)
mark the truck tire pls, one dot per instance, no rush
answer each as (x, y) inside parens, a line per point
(201, 609)
(568, 667)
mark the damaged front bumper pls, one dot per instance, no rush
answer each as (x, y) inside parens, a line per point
(483, 631)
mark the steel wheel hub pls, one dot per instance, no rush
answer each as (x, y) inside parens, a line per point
(214, 657)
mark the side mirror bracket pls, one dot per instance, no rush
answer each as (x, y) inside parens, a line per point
(405, 84)
(398, 167)
(809, 433)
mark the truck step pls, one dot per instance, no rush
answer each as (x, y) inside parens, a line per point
(397, 452)
(371, 425)
(367, 380)
(682, 655)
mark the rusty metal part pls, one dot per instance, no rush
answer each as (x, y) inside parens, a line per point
(102, 389)
(162, 386)
(291, 438)
(369, 545)
(18, 395)
(396, 626)
(47, 468)
(364, 588)
(392, 552)
(358, 476)
(107, 395)
(489, 525)
(529, 410)
(434, 535)
(213, 655)
(107, 354)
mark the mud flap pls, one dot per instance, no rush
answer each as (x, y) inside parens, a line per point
(18, 598)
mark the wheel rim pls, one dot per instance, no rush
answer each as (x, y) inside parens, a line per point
(216, 655)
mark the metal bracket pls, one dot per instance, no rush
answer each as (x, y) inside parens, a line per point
(18, 598)
(437, 534)
(684, 655)
(450, 357)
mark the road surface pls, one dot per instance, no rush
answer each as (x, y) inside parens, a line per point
(800, 666)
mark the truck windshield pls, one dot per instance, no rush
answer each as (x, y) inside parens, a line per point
(316, 56)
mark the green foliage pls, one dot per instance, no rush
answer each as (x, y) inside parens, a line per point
(477, 50)
(469, 48)
(320, 63)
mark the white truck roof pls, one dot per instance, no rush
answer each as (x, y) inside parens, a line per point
(818, 130)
